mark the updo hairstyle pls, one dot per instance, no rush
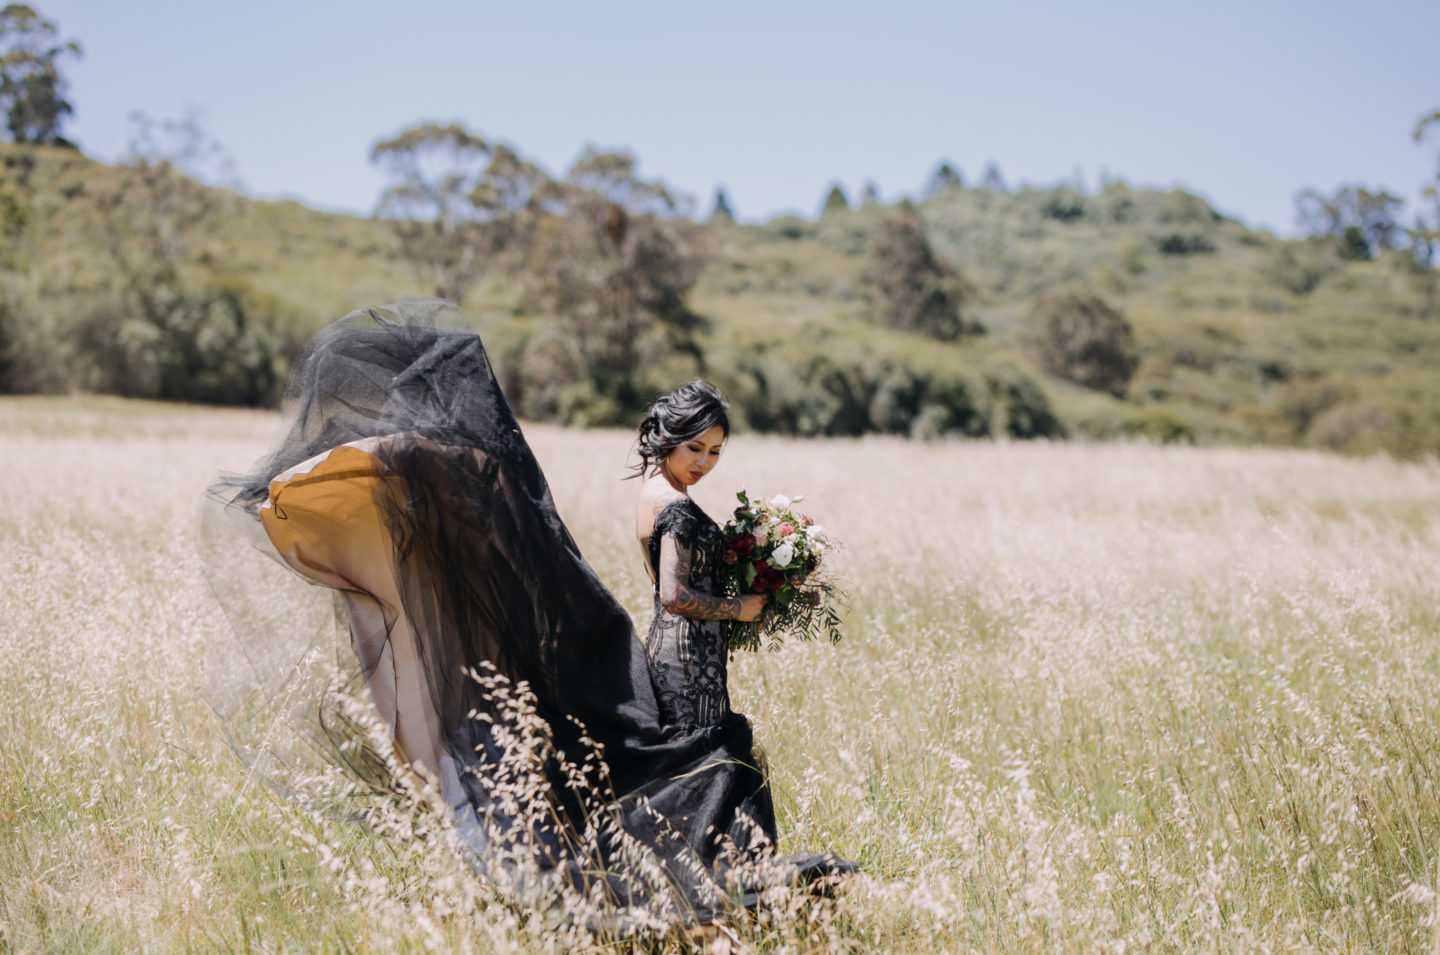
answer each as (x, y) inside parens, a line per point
(683, 415)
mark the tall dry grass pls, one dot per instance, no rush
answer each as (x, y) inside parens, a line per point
(1092, 698)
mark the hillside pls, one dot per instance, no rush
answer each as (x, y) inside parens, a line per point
(1242, 337)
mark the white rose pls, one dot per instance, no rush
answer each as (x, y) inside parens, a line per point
(782, 503)
(781, 556)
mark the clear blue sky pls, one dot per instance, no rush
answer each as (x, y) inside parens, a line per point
(1242, 101)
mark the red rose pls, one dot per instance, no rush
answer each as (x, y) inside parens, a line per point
(741, 546)
(768, 579)
(787, 529)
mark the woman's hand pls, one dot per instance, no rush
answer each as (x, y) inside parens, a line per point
(751, 607)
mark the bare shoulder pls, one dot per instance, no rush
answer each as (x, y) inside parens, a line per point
(655, 496)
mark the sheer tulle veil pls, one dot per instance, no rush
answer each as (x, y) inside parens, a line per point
(525, 663)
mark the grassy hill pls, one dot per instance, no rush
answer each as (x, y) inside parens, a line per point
(1243, 337)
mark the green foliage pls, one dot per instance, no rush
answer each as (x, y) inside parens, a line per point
(722, 214)
(1079, 337)
(1160, 424)
(1362, 426)
(1183, 243)
(613, 273)
(1298, 269)
(915, 291)
(32, 88)
(7, 347)
(1185, 208)
(456, 202)
(851, 395)
(835, 201)
(1063, 204)
(945, 178)
(16, 195)
(789, 227)
(191, 344)
(993, 181)
(1117, 203)
(1021, 408)
(1360, 221)
(1229, 340)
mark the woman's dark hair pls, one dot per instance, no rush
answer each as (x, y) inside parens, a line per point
(682, 415)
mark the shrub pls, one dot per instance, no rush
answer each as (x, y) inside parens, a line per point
(1362, 426)
(789, 227)
(201, 345)
(1077, 336)
(855, 395)
(1300, 403)
(1160, 424)
(1186, 207)
(1184, 243)
(915, 291)
(1021, 408)
(7, 345)
(1298, 270)
(1063, 204)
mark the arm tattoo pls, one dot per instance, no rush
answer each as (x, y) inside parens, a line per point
(679, 598)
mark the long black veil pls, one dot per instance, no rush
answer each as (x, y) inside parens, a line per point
(556, 762)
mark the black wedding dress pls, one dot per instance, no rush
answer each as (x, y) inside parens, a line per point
(586, 773)
(687, 657)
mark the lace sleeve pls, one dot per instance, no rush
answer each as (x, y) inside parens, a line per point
(673, 548)
(678, 520)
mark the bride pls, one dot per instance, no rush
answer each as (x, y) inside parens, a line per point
(582, 768)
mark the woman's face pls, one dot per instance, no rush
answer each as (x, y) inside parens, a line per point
(693, 460)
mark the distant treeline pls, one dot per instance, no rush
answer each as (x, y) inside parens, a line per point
(971, 310)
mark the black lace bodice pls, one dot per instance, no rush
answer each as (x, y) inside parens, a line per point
(687, 657)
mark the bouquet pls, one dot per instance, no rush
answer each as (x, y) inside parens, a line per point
(772, 549)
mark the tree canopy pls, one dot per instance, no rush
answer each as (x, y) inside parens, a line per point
(1076, 335)
(1363, 221)
(612, 268)
(942, 180)
(32, 89)
(915, 291)
(457, 203)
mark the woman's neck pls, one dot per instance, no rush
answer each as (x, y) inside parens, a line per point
(669, 478)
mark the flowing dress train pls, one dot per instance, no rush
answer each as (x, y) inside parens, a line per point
(579, 764)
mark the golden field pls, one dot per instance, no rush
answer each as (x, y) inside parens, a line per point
(1092, 698)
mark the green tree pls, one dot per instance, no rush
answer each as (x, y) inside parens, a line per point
(914, 290)
(32, 88)
(1077, 336)
(612, 267)
(992, 181)
(942, 180)
(722, 213)
(1425, 234)
(835, 201)
(1363, 222)
(456, 203)
(869, 193)
(175, 325)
